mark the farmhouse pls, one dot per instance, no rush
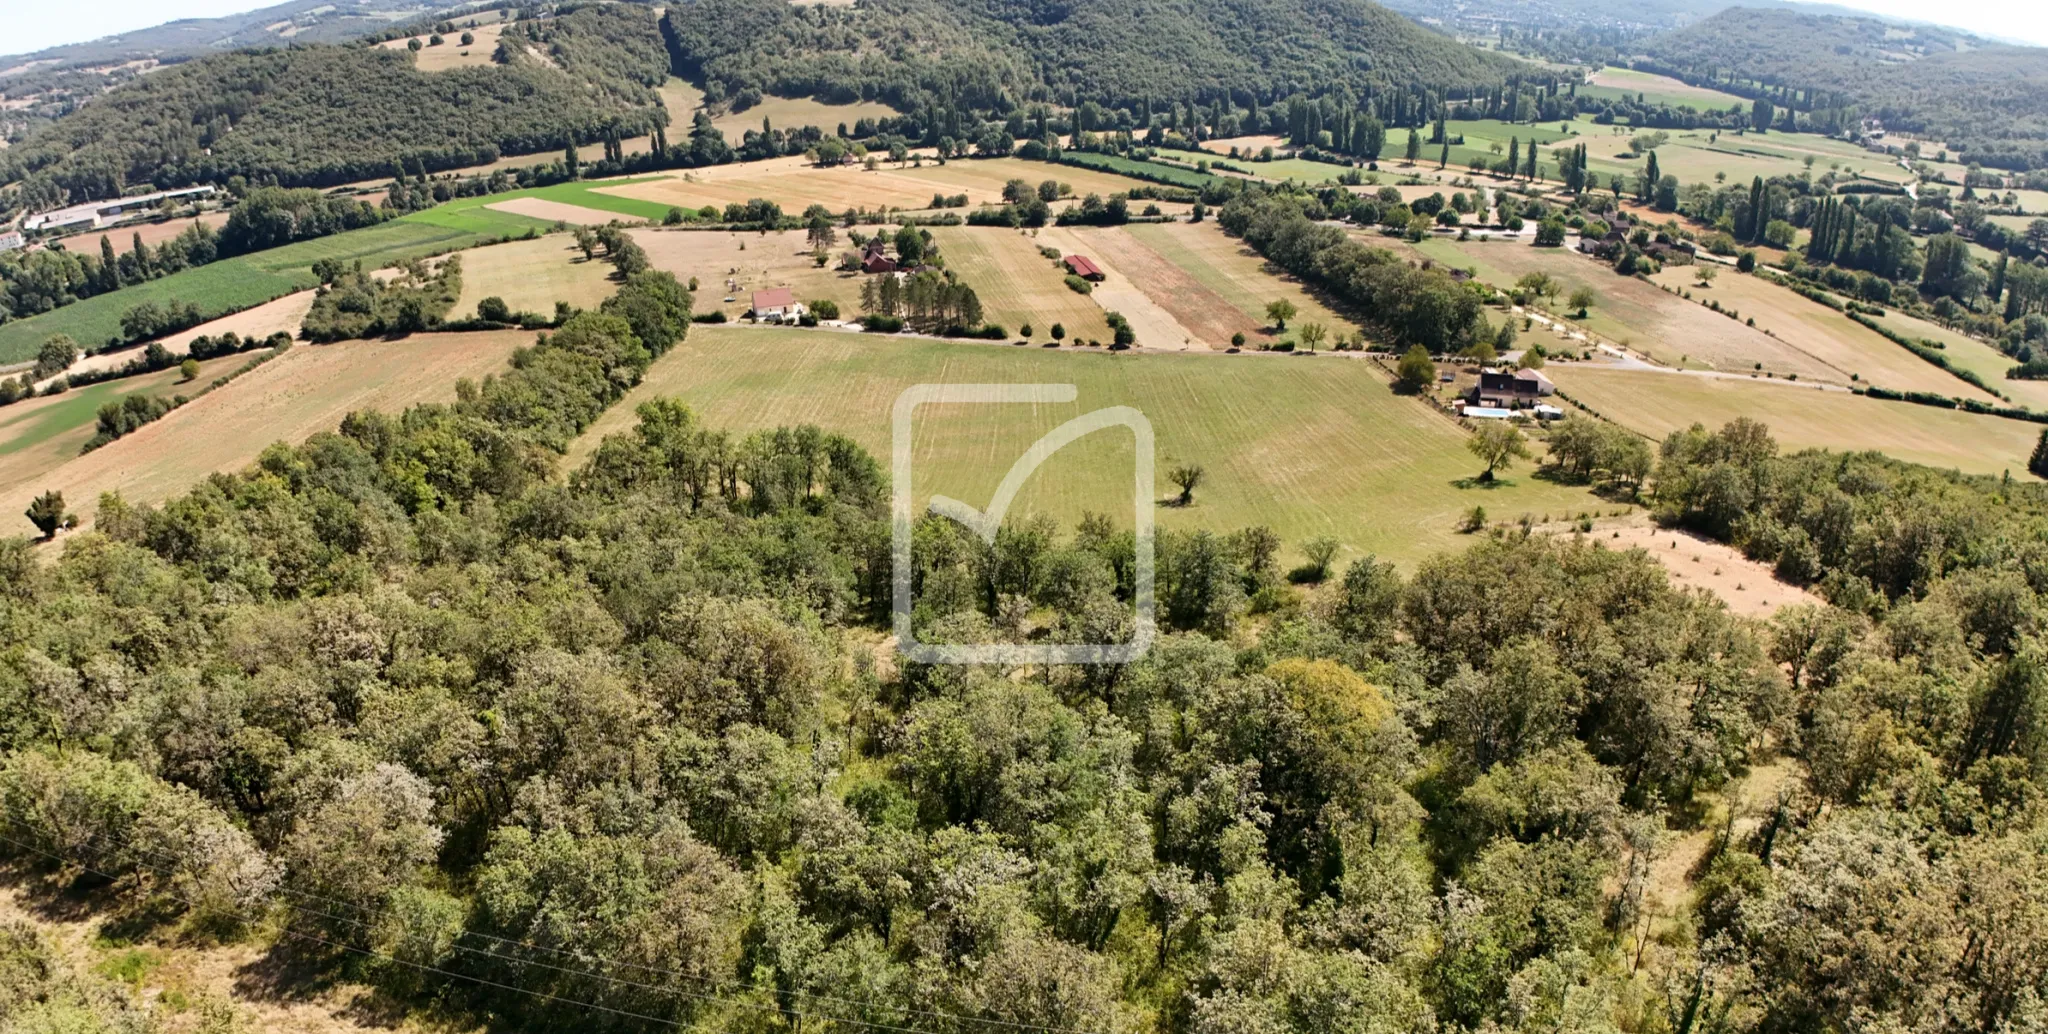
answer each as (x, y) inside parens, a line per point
(1508, 390)
(1083, 267)
(776, 305)
(873, 260)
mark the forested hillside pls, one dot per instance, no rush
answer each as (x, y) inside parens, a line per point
(1990, 100)
(297, 21)
(1118, 53)
(320, 115)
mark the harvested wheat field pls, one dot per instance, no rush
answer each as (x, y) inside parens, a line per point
(282, 314)
(795, 184)
(1227, 270)
(556, 211)
(1016, 283)
(123, 236)
(1844, 346)
(41, 434)
(1657, 404)
(1155, 324)
(729, 264)
(531, 276)
(306, 390)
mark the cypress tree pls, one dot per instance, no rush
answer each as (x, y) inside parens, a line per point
(2038, 462)
(1997, 285)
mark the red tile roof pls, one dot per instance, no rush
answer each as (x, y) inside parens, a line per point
(1081, 265)
(776, 298)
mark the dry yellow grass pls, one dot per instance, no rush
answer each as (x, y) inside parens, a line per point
(451, 53)
(531, 276)
(153, 234)
(1017, 284)
(556, 211)
(795, 184)
(306, 390)
(1695, 562)
(283, 314)
(1227, 272)
(790, 113)
(1803, 417)
(1155, 325)
(1825, 336)
(733, 265)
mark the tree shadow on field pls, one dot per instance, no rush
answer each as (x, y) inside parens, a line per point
(1476, 482)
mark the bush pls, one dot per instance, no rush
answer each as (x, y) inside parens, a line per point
(825, 309)
(1078, 285)
(714, 316)
(875, 324)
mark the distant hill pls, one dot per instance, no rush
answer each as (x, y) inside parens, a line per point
(324, 114)
(1990, 99)
(1119, 53)
(299, 21)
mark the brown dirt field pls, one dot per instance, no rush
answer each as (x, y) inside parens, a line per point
(41, 434)
(153, 234)
(541, 208)
(1694, 562)
(1826, 336)
(754, 261)
(531, 276)
(1016, 284)
(1192, 304)
(306, 390)
(795, 184)
(283, 314)
(1118, 292)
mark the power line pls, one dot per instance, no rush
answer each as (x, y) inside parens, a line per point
(580, 957)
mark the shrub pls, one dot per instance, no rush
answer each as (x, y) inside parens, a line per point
(1078, 285)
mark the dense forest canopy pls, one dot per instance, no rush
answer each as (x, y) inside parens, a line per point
(991, 55)
(321, 115)
(1989, 100)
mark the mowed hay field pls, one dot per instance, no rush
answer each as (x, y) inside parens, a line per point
(303, 391)
(1016, 283)
(1973, 355)
(153, 234)
(1828, 337)
(451, 53)
(282, 315)
(1658, 89)
(531, 276)
(795, 184)
(791, 113)
(41, 434)
(1228, 270)
(1656, 404)
(1626, 311)
(1309, 447)
(753, 262)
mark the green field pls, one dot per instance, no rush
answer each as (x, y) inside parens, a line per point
(231, 285)
(1309, 447)
(472, 214)
(1619, 83)
(1170, 174)
(1656, 404)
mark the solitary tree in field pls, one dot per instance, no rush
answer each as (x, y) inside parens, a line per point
(1582, 300)
(1498, 444)
(189, 370)
(1059, 332)
(1312, 335)
(47, 513)
(1280, 312)
(1705, 272)
(1416, 370)
(1187, 476)
(1320, 552)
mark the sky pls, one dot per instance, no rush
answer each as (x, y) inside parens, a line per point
(34, 24)
(2022, 20)
(31, 25)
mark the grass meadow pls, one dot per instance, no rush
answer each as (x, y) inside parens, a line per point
(1309, 447)
(1655, 404)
